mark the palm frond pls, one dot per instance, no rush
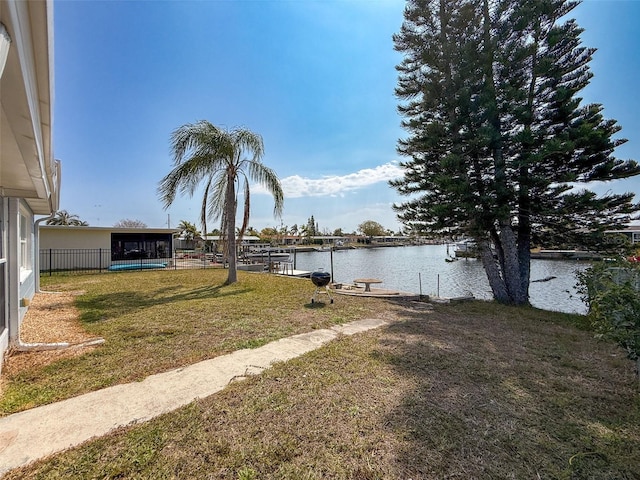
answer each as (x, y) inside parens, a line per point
(222, 242)
(203, 209)
(265, 176)
(247, 208)
(246, 141)
(184, 178)
(216, 197)
(193, 136)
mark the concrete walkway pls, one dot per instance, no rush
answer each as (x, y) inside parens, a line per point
(33, 434)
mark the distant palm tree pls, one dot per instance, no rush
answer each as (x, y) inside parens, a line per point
(62, 217)
(189, 232)
(205, 153)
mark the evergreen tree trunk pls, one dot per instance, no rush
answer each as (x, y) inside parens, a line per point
(496, 282)
(518, 292)
(503, 267)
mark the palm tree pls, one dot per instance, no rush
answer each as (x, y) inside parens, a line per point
(62, 217)
(221, 159)
(189, 232)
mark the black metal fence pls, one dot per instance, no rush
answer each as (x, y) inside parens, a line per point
(99, 260)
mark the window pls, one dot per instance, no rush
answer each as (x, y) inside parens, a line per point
(140, 245)
(25, 258)
(25, 245)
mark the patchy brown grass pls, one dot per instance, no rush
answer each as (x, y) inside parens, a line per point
(468, 391)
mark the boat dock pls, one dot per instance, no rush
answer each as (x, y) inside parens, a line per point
(287, 269)
(356, 291)
(565, 255)
(294, 273)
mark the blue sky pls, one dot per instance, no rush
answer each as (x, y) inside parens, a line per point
(315, 78)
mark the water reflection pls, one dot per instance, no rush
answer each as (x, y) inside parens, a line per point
(423, 269)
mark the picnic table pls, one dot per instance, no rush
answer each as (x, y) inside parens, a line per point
(367, 282)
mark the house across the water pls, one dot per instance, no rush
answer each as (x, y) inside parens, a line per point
(632, 232)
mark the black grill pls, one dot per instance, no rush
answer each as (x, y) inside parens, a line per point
(321, 279)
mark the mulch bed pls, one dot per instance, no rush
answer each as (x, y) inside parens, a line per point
(51, 318)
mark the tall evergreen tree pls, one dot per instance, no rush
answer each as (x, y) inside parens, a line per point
(312, 227)
(498, 137)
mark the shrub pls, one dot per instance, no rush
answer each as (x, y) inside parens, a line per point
(612, 291)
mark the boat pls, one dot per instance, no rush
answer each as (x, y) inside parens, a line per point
(274, 255)
(466, 248)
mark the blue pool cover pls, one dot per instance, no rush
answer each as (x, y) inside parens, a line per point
(136, 266)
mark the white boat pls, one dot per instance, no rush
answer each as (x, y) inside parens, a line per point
(465, 248)
(275, 255)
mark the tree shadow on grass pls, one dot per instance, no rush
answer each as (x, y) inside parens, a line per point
(497, 397)
(99, 307)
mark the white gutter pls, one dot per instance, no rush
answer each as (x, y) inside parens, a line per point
(40, 347)
(36, 247)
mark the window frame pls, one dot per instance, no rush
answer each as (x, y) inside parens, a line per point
(25, 240)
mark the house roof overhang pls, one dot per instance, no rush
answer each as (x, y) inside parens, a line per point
(85, 228)
(28, 169)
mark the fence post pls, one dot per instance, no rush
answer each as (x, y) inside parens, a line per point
(100, 260)
(50, 264)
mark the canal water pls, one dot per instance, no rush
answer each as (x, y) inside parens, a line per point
(424, 269)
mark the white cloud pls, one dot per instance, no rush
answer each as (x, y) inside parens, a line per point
(296, 186)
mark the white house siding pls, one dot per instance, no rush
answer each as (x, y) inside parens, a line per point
(30, 180)
(4, 280)
(20, 264)
(74, 248)
(17, 267)
(74, 237)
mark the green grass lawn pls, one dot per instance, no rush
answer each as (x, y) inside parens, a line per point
(157, 321)
(475, 390)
